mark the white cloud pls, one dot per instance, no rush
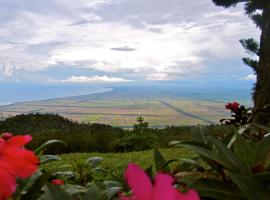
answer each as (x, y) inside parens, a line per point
(90, 79)
(149, 39)
(8, 71)
(159, 76)
(251, 77)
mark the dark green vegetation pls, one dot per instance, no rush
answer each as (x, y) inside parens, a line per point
(259, 12)
(97, 137)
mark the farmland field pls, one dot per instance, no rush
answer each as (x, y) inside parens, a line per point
(120, 107)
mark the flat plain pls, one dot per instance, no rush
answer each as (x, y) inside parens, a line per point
(159, 112)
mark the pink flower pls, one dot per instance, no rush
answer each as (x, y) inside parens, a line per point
(15, 162)
(163, 189)
(57, 182)
(6, 136)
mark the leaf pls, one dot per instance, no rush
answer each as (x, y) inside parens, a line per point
(94, 161)
(250, 187)
(66, 174)
(228, 156)
(159, 160)
(207, 152)
(262, 177)
(216, 189)
(112, 191)
(39, 150)
(263, 149)
(48, 158)
(109, 184)
(245, 151)
(34, 186)
(75, 189)
(55, 192)
(94, 193)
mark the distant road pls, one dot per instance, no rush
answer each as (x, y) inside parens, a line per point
(186, 113)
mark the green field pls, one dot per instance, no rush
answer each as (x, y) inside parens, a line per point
(116, 163)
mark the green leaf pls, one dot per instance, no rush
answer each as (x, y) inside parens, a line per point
(55, 192)
(34, 186)
(48, 158)
(94, 193)
(216, 189)
(39, 150)
(207, 152)
(252, 189)
(94, 161)
(159, 160)
(245, 151)
(74, 189)
(224, 153)
(262, 177)
(263, 149)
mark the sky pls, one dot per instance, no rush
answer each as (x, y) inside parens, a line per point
(91, 41)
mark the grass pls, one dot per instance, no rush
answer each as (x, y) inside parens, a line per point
(116, 163)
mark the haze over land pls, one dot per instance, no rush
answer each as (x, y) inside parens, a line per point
(162, 104)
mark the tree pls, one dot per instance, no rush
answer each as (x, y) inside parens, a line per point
(259, 12)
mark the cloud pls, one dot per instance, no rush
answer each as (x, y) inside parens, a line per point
(251, 77)
(158, 76)
(90, 79)
(8, 71)
(124, 37)
(126, 48)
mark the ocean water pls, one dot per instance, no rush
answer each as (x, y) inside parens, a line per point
(12, 93)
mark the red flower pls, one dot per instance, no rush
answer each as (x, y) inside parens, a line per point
(15, 162)
(57, 182)
(6, 136)
(232, 106)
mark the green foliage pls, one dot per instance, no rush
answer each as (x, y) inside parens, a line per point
(233, 171)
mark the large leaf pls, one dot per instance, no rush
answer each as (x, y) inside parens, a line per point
(251, 188)
(217, 189)
(263, 149)
(34, 186)
(228, 156)
(55, 192)
(94, 193)
(207, 152)
(42, 147)
(159, 160)
(245, 151)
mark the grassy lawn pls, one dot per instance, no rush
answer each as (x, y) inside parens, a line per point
(116, 163)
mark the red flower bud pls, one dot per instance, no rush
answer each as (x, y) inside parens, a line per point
(6, 136)
(57, 182)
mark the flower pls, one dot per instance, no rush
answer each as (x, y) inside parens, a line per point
(163, 189)
(57, 182)
(232, 106)
(15, 162)
(6, 136)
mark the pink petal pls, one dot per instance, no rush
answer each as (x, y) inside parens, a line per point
(139, 182)
(163, 189)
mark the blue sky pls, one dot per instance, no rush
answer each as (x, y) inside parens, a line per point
(90, 41)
